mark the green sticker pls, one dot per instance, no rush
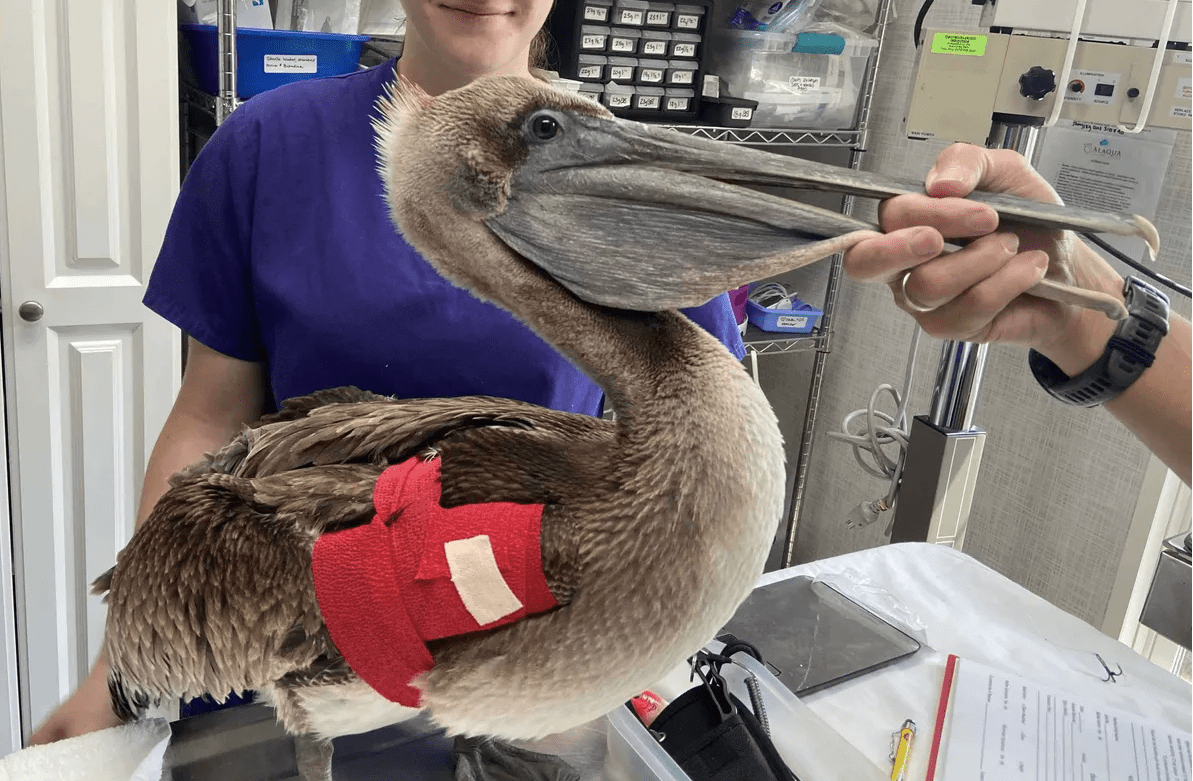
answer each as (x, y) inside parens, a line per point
(955, 43)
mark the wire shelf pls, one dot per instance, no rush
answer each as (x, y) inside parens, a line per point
(764, 343)
(772, 136)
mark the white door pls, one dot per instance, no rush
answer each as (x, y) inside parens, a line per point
(88, 173)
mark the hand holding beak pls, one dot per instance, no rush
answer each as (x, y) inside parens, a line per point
(977, 293)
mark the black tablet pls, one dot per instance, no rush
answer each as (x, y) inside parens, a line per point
(812, 636)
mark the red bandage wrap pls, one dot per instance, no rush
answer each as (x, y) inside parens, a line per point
(386, 588)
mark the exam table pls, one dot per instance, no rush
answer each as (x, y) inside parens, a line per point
(946, 599)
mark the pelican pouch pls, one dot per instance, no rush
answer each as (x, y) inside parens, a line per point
(713, 736)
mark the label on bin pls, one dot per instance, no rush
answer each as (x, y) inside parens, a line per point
(684, 50)
(687, 21)
(291, 63)
(592, 42)
(804, 83)
(651, 74)
(654, 47)
(630, 17)
(618, 99)
(682, 76)
(741, 112)
(677, 104)
(621, 72)
(622, 45)
(955, 43)
(658, 17)
(792, 321)
(596, 13)
(590, 72)
(648, 101)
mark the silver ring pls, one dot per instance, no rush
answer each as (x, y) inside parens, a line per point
(908, 301)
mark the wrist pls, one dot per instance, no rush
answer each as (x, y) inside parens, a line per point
(1081, 343)
(1129, 352)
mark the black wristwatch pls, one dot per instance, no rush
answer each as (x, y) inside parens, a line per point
(1128, 353)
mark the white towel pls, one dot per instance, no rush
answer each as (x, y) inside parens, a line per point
(132, 752)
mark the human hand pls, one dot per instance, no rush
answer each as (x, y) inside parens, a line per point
(977, 293)
(89, 709)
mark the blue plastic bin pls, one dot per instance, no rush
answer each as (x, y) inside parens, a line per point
(290, 56)
(799, 319)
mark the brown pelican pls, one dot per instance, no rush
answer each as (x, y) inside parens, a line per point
(654, 527)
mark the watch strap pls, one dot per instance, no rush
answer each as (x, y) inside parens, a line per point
(1129, 352)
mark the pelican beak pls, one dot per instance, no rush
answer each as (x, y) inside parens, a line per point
(636, 217)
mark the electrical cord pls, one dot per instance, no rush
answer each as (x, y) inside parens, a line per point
(919, 21)
(880, 430)
(772, 295)
(1135, 264)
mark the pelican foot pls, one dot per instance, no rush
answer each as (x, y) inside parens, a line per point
(313, 757)
(486, 759)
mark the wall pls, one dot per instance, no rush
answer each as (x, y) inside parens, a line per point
(1058, 486)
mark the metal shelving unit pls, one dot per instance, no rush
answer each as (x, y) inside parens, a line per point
(748, 136)
(757, 342)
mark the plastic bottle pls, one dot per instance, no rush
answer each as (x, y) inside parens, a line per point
(773, 15)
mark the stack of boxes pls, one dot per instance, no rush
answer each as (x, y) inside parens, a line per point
(641, 59)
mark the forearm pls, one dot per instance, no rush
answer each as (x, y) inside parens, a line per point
(1157, 408)
(184, 440)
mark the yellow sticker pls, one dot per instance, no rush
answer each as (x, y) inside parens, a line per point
(956, 43)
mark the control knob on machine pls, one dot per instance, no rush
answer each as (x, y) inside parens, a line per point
(1037, 83)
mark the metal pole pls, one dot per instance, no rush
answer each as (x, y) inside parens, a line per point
(225, 23)
(803, 457)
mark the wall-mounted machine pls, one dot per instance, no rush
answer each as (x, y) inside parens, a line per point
(1019, 66)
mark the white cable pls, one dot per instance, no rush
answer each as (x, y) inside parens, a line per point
(1058, 103)
(1154, 79)
(881, 429)
(771, 296)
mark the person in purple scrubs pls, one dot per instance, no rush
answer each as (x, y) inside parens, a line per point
(281, 265)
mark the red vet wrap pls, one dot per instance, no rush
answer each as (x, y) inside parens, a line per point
(385, 588)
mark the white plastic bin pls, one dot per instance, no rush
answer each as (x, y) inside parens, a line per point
(793, 89)
(809, 746)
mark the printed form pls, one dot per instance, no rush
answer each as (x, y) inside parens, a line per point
(1004, 728)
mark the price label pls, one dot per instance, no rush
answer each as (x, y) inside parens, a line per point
(590, 72)
(682, 76)
(660, 18)
(592, 42)
(684, 50)
(619, 100)
(741, 112)
(621, 72)
(596, 13)
(687, 21)
(630, 17)
(803, 84)
(791, 321)
(623, 45)
(677, 104)
(648, 101)
(654, 47)
(651, 75)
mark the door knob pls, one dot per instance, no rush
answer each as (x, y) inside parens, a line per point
(31, 311)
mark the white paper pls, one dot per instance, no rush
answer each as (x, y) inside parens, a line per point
(1097, 166)
(1005, 728)
(291, 63)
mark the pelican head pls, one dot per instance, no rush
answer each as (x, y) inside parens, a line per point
(508, 176)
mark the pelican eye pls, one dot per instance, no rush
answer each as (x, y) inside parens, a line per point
(544, 127)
